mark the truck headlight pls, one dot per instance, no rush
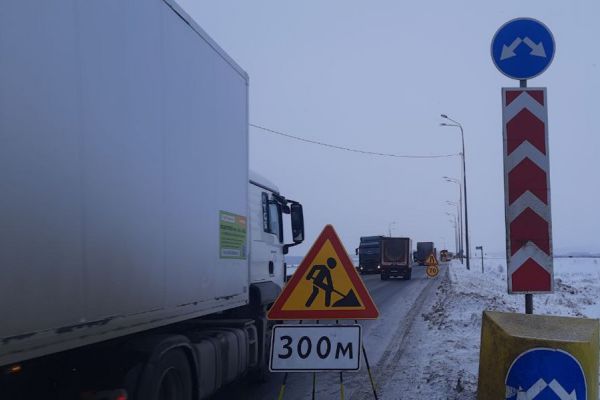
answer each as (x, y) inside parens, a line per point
(379, 267)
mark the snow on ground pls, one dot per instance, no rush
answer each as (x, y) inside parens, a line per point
(443, 362)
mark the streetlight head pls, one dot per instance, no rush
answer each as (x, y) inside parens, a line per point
(444, 116)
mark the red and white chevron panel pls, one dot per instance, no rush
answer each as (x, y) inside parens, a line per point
(527, 190)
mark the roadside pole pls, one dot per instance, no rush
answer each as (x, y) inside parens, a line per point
(528, 296)
(480, 248)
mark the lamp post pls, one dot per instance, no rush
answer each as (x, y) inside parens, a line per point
(456, 237)
(462, 136)
(460, 229)
(390, 228)
(460, 212)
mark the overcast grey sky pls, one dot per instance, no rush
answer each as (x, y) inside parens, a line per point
(376, 76)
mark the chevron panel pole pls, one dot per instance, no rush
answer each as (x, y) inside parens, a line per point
(527, 191)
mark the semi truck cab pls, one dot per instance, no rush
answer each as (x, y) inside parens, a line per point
(267, 209)
(369, 254)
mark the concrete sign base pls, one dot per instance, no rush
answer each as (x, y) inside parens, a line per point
(537, 357)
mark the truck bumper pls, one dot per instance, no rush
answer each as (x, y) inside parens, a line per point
(364, 269)
(398, 270)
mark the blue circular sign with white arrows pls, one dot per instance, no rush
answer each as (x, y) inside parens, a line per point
(544, 374)
(523, 48)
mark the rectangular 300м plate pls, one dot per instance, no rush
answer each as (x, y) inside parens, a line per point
(300, 348)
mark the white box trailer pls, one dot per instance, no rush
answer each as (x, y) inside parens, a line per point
(124, 202)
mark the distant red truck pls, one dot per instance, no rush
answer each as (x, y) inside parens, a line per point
(396, 259)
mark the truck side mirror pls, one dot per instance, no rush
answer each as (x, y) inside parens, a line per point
(297, 219)
(356, 251)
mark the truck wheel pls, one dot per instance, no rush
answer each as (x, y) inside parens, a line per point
(384, 277)
(171, 378)
(408, 275)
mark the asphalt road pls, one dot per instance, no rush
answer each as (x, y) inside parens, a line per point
(399, 303)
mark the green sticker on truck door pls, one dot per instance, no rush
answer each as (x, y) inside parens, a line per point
(232, 235)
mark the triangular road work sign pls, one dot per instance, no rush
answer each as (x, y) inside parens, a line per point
(431, 260)
(325, 286)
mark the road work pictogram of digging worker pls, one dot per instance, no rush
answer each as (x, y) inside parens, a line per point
(322, 282)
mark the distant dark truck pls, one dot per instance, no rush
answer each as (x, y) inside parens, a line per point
(396, 258)
(369, 254)
(444, 255)
(424, 250)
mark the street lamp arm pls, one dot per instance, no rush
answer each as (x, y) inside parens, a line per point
(448, 179)
(450, 119)
(446, 124)
(464, 185)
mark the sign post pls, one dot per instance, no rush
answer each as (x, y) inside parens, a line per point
(522, 49)
(481, 249)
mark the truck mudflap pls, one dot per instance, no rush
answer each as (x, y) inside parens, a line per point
(396, 270)
(263, 293)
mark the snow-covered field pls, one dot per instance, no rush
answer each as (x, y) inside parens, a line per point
(443, 364)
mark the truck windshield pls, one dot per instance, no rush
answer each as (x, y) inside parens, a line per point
(369, 250)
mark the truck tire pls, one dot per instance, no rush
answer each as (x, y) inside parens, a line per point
(384, 277)
(171, 378)
(408, 275)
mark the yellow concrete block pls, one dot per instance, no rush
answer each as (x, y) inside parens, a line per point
(537, 357)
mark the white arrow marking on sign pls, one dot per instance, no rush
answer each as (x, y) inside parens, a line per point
(527, 150)
(524, 100)
(525, 201)
(533, 391)
(509, 51)
(561, 392)
(537, 388)
(536, 49)
(530, 250)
